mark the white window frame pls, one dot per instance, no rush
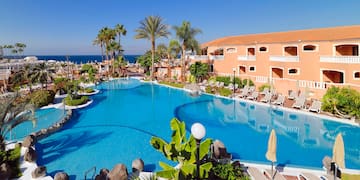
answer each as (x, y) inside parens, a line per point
(235, 50)
(348, 43)
(252, 70)
(293, 74)
(355, 78)
(329, 69)
(290, 45)
(247, 48)
(267, 49)
(316, 48)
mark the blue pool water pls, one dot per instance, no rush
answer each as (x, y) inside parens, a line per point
(44, 119)
(118, 126)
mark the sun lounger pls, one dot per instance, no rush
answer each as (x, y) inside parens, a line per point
(309, 176)
(293, 95)
(280, 100)
(255, 173)
(244, 93)
(315, 106)
(245, 88)
(265, 90)
(299, 102)
(251, 89)
(266, 98)
(253, 96)
(277, 175)
(329, 177)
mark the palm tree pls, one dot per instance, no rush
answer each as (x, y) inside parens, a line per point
(113, 48)
(20, 48)
(42, 75)
(173, 51)
(151, 28)
(100, 41)
(120, 30)
(186, 34)
(107, 35)
(161, 50)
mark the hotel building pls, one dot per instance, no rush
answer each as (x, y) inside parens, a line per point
(307, 60)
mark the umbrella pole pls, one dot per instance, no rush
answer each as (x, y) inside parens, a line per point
(335, 169)
(272, 170)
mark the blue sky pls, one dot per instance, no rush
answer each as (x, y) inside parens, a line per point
(68, 27)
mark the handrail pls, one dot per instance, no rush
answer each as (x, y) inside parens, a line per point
(89, 170)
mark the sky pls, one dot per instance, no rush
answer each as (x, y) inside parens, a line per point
(68, 27)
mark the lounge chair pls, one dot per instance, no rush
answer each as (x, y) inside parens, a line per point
(299, 102)
(246, 87)
(293, 95)
(252, 89)
(255, 173)
(280, 100)
(265, 90)
(276, 174)
(309, 176)
(203, 83)
(253, 96)
(266, 98)
(315, 106)
(244, 93)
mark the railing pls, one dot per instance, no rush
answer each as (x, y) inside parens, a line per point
(217, 57)
(285, 58)
(341, 59)
(90, 170)
(198, 57)
(246, 58)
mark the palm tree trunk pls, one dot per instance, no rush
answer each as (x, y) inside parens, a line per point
(102, 52)
(183, 63)
(152, 59)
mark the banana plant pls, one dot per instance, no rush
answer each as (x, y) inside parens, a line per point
(183, 151)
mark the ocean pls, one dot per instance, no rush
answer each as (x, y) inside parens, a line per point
(78, 59)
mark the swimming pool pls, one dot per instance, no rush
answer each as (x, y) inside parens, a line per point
(118, 126)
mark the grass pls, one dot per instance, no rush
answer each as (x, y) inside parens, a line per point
(350, 176)
(178, 85)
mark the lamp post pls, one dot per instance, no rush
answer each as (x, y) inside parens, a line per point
(234, 70)
(198, 131)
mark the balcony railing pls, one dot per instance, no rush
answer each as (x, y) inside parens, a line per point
(247, 58)
(285, 58)
(199, 57)
(341, 59)
(217, 57)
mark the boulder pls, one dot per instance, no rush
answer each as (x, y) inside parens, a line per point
(102, 175)
(217, 144)
(30, 155)
(61, 176)
(119, 172)
(29, 141)
(39, 172)
(137, 165)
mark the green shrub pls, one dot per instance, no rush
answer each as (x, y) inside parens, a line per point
(12, 158)
(262, 87)
(238, 81)
(345, 100)
(88, 90)
(245, 82)
(209, 90)
(225, 79)
(178, 85)
(225, 92)
(75, 101)
(42, 97)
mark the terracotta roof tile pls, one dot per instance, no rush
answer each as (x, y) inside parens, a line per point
(329, 34)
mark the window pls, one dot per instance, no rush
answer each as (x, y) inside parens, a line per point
(293, 71)
(252, 68)
(263, 49)
(356, 75)
(231, 50)
(309, 48)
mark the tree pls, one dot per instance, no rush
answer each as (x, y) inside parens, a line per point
(199, 70)
(151, 28)
(120, 30)
(20, 48)
(100, 41)
(146, 60)
(41, 74)
(107, 35)
(24, 75)
(186, 34)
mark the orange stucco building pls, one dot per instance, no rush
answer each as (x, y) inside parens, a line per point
(307, 60)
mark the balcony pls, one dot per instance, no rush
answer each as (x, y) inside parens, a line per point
(198, 57)
(284, 58)
(341, 59)
(247, 58)
(217, 57)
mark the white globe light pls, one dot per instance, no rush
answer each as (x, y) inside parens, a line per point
(198, 131)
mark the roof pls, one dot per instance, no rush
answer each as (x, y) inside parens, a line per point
(328, 34)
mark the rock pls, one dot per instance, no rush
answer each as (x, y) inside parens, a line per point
(119, 172)
(30, 155)
(216, 145)
(4, 171)
(61, 176)
(137, 165)
(39, 172)
(102, 175)
(29, 141)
